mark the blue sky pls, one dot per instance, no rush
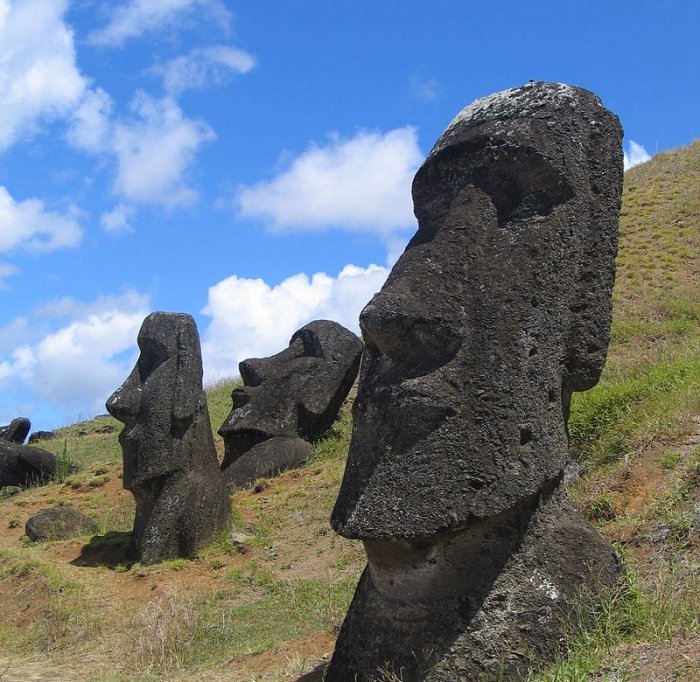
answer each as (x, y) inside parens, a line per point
(250, 162)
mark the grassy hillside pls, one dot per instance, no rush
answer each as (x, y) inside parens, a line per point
(267, 608)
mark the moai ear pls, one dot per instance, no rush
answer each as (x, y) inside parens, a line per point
(188, 380)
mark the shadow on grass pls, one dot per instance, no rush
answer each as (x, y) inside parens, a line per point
(108, 550)
(315, 675)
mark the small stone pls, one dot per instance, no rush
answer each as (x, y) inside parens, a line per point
(58, 523)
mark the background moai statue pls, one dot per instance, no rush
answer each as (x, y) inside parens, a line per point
(498, 309)
(288, 401)
(170, 462)
(16, 431)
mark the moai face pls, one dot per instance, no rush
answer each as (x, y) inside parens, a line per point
(498, 309)
(159, 399)
(296, 392)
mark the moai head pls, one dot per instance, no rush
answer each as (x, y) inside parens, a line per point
(295, 393)
(498, 309)
(160, 400)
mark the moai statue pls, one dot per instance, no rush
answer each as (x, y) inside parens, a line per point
(497, 311)
(170, 462)
(288, 401)
(16, 431)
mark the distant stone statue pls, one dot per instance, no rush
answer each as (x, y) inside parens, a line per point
(497, 311)
(170, 462)
(288, 401)
(16, 431)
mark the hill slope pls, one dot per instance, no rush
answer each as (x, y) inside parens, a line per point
(268, 608)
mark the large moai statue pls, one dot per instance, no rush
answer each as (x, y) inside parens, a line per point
(287, 401)
(497, 311)
(170, 462)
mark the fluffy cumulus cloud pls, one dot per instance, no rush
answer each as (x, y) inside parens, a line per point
(359, 184)
(137, 17)
(84, 351)
(39, 78)
(29, 226)
(250, 318)
(203, 67)
(635, 154)
(153, 149)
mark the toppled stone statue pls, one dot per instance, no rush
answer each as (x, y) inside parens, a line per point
(25, 465)
(288, 401)
(170, 462)
(16, 431)
(497, 311)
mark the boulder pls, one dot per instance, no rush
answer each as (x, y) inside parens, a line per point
(293, 395)
(58, 523)
(170, 462)
(16, 431)
(25, 465)
(499, 308)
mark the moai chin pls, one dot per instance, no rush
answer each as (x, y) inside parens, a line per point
(170, 462)
(497, 311)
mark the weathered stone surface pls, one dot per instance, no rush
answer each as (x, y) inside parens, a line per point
(16, 431)
(25, 465)
(268, 459)
(293, 395)
(57, 523)
(497, 311)
(170, 462)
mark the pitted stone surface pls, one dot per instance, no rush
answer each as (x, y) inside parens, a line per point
(170, 462)
(287, 401)
(497, 311)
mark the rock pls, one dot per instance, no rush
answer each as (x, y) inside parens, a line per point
(293, 395)
(497, 311)
(25, 465)
(41, 435)
(16, 431)
(170, 462)
(58, 523)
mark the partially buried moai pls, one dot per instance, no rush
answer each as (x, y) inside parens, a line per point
(170, 462)
(497, 311)
(288, 401)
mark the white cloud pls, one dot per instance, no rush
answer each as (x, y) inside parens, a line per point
(91, 127)
(202, 67)
(117, 221)
(250, 318)
(635, 155)
(39, 78)
(155, 150)
(77, 365)
(137, 17)
(29, 226)
(360, 184)
(7, 270)
(424, 89)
